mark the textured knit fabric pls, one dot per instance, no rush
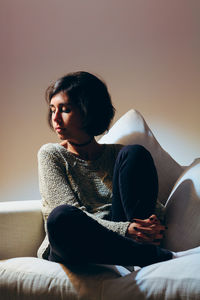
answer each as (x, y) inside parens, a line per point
(64, 178)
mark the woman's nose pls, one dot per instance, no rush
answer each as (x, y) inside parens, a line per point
(56, 116)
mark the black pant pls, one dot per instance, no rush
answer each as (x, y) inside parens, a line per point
(135, 184)
(76, 238)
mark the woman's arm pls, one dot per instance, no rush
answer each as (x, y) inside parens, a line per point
(55, 187)
(53, 183)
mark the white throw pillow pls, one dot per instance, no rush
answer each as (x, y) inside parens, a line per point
(130, 129)
(176, 279)
(183, 211)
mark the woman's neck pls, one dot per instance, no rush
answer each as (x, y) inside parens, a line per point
(81, 144)
(88, 151)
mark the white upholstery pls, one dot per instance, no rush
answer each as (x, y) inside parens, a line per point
(21, 232)
(21, 228)
(33, 278)
(183, 211)
(177, 279)
(42, 279)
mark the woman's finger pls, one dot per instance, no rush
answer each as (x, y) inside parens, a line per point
(155, 228)
(151, 220)
(143, 238)
(154, 219)
(140, 221)
(148, 230)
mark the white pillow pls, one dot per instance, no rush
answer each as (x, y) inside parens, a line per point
(176, 279)
(131, 128)
(32, 278)
(183, 211)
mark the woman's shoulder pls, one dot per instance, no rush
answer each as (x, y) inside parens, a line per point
(54, 152)
(48, 148)
(50, 151)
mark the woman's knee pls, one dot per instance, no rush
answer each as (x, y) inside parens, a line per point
(63, 216)
(135, 153)
(62, 227)
(136, 148)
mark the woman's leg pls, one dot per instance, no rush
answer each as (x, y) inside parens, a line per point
(135, 184)
(76, 238)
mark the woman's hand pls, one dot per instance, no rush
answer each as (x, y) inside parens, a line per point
(148, 231)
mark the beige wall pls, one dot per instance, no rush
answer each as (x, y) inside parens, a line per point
(147, 52)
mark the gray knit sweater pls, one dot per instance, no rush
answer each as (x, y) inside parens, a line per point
(66, 179)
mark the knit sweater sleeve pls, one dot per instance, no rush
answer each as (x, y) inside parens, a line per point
(53, 182)
(119, 227)
(55, 188)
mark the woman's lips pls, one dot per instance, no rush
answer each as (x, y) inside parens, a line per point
(59, 129)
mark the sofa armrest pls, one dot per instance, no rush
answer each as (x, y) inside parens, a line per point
(21, 228)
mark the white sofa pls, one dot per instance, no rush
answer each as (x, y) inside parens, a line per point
(23, 276)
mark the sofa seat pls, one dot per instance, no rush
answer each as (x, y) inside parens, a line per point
(35, 279)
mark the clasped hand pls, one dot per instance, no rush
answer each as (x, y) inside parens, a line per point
(148, 231)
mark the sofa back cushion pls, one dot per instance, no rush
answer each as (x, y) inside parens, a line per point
(183, 211)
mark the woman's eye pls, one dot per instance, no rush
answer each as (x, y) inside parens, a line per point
(66, 110)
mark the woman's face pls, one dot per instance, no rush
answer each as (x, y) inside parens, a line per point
(66, 119)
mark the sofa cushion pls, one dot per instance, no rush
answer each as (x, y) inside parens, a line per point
(33, 278)
(36, 279)
(176, 279)
(131, 128)
(183, 211)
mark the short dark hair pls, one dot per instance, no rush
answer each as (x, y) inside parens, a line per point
(91, 96)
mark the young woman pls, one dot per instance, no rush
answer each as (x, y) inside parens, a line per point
(99, 201)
